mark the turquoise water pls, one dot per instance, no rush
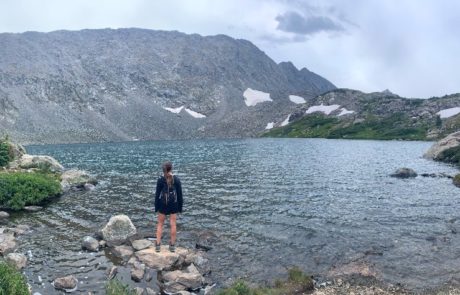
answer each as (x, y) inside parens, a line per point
(274, 203)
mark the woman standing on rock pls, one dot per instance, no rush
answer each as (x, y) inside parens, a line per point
(168, 201)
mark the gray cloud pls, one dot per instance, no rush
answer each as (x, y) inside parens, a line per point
(293, 22)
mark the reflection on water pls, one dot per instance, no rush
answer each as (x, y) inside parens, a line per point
(273, 203)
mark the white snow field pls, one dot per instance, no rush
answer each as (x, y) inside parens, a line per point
(344, 112)
(296, 99)
(195, 114)
(285, 122)
(253, 97)
(322, 108)
(175, 110)
(448, 112)
(270, 125)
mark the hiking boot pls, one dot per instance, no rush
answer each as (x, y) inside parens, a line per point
(172, 248)
(157, 247)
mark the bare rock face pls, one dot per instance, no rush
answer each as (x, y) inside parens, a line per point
(17, 260)
(451, 141)
(67, 283)
(119, 228)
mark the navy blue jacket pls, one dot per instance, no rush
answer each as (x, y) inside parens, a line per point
(169, 207)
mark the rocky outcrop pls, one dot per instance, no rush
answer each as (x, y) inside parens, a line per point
(27, 161)
(404, 173)
(449, 142)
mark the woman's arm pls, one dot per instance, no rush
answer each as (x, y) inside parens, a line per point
(157, 194)
(179, 194)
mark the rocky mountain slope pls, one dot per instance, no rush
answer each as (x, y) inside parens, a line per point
(346, 113)
(125, 84)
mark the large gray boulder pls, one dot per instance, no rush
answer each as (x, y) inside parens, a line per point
(17, 260)
(119, 228)
(33, 161)
(436, 150)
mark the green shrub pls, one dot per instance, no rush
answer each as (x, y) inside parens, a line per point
(115, 287)
(4, 153)
(20, 189)
(11, 281)
(297, 283)
(451, 155)
(456, 180)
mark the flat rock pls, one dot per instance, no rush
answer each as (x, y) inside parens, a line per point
(118, 228)
(33, 208)
(67, 283)
(162, 260)
(141, 244)
(175, 281)
(90, 244)
(124, 252)
(7, 243)
(18, 260)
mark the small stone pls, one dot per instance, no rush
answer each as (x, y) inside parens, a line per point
(67, 283)
(148, 275)
(102, 244)
(137, 272)
(124, 252)
(138, 291)
(90, 244)
(4, 215)
(89, 186)
(17, 260)
(141, 244)
(112, 272)
(149, 291)
(33, 208)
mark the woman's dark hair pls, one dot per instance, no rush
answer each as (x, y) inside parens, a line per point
(167, 170)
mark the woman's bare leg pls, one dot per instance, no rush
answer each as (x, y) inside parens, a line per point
(161, 221)
(172, 220)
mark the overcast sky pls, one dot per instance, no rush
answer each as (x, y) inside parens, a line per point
(411, 47)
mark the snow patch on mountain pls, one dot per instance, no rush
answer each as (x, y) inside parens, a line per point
(174, 110)
(344, 112)
(253, 97)
(297, 99)
(285, 122)
(323, 109)
(270, 125)
(447, 113)
(195, 114)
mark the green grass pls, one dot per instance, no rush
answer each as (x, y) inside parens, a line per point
(115, 287)
(19, 189)
(297, 283)
(12, 281)
(395, 126)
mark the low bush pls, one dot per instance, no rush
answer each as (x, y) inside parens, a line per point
(19, 189)
(4, 153)
(12, 281)
(115, 287)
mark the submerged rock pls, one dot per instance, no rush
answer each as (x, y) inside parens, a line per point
(404, 173)
(17, 260)
(119, 228)
(205, 240)
(77, 179)
(68, 283)
(90, 244)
